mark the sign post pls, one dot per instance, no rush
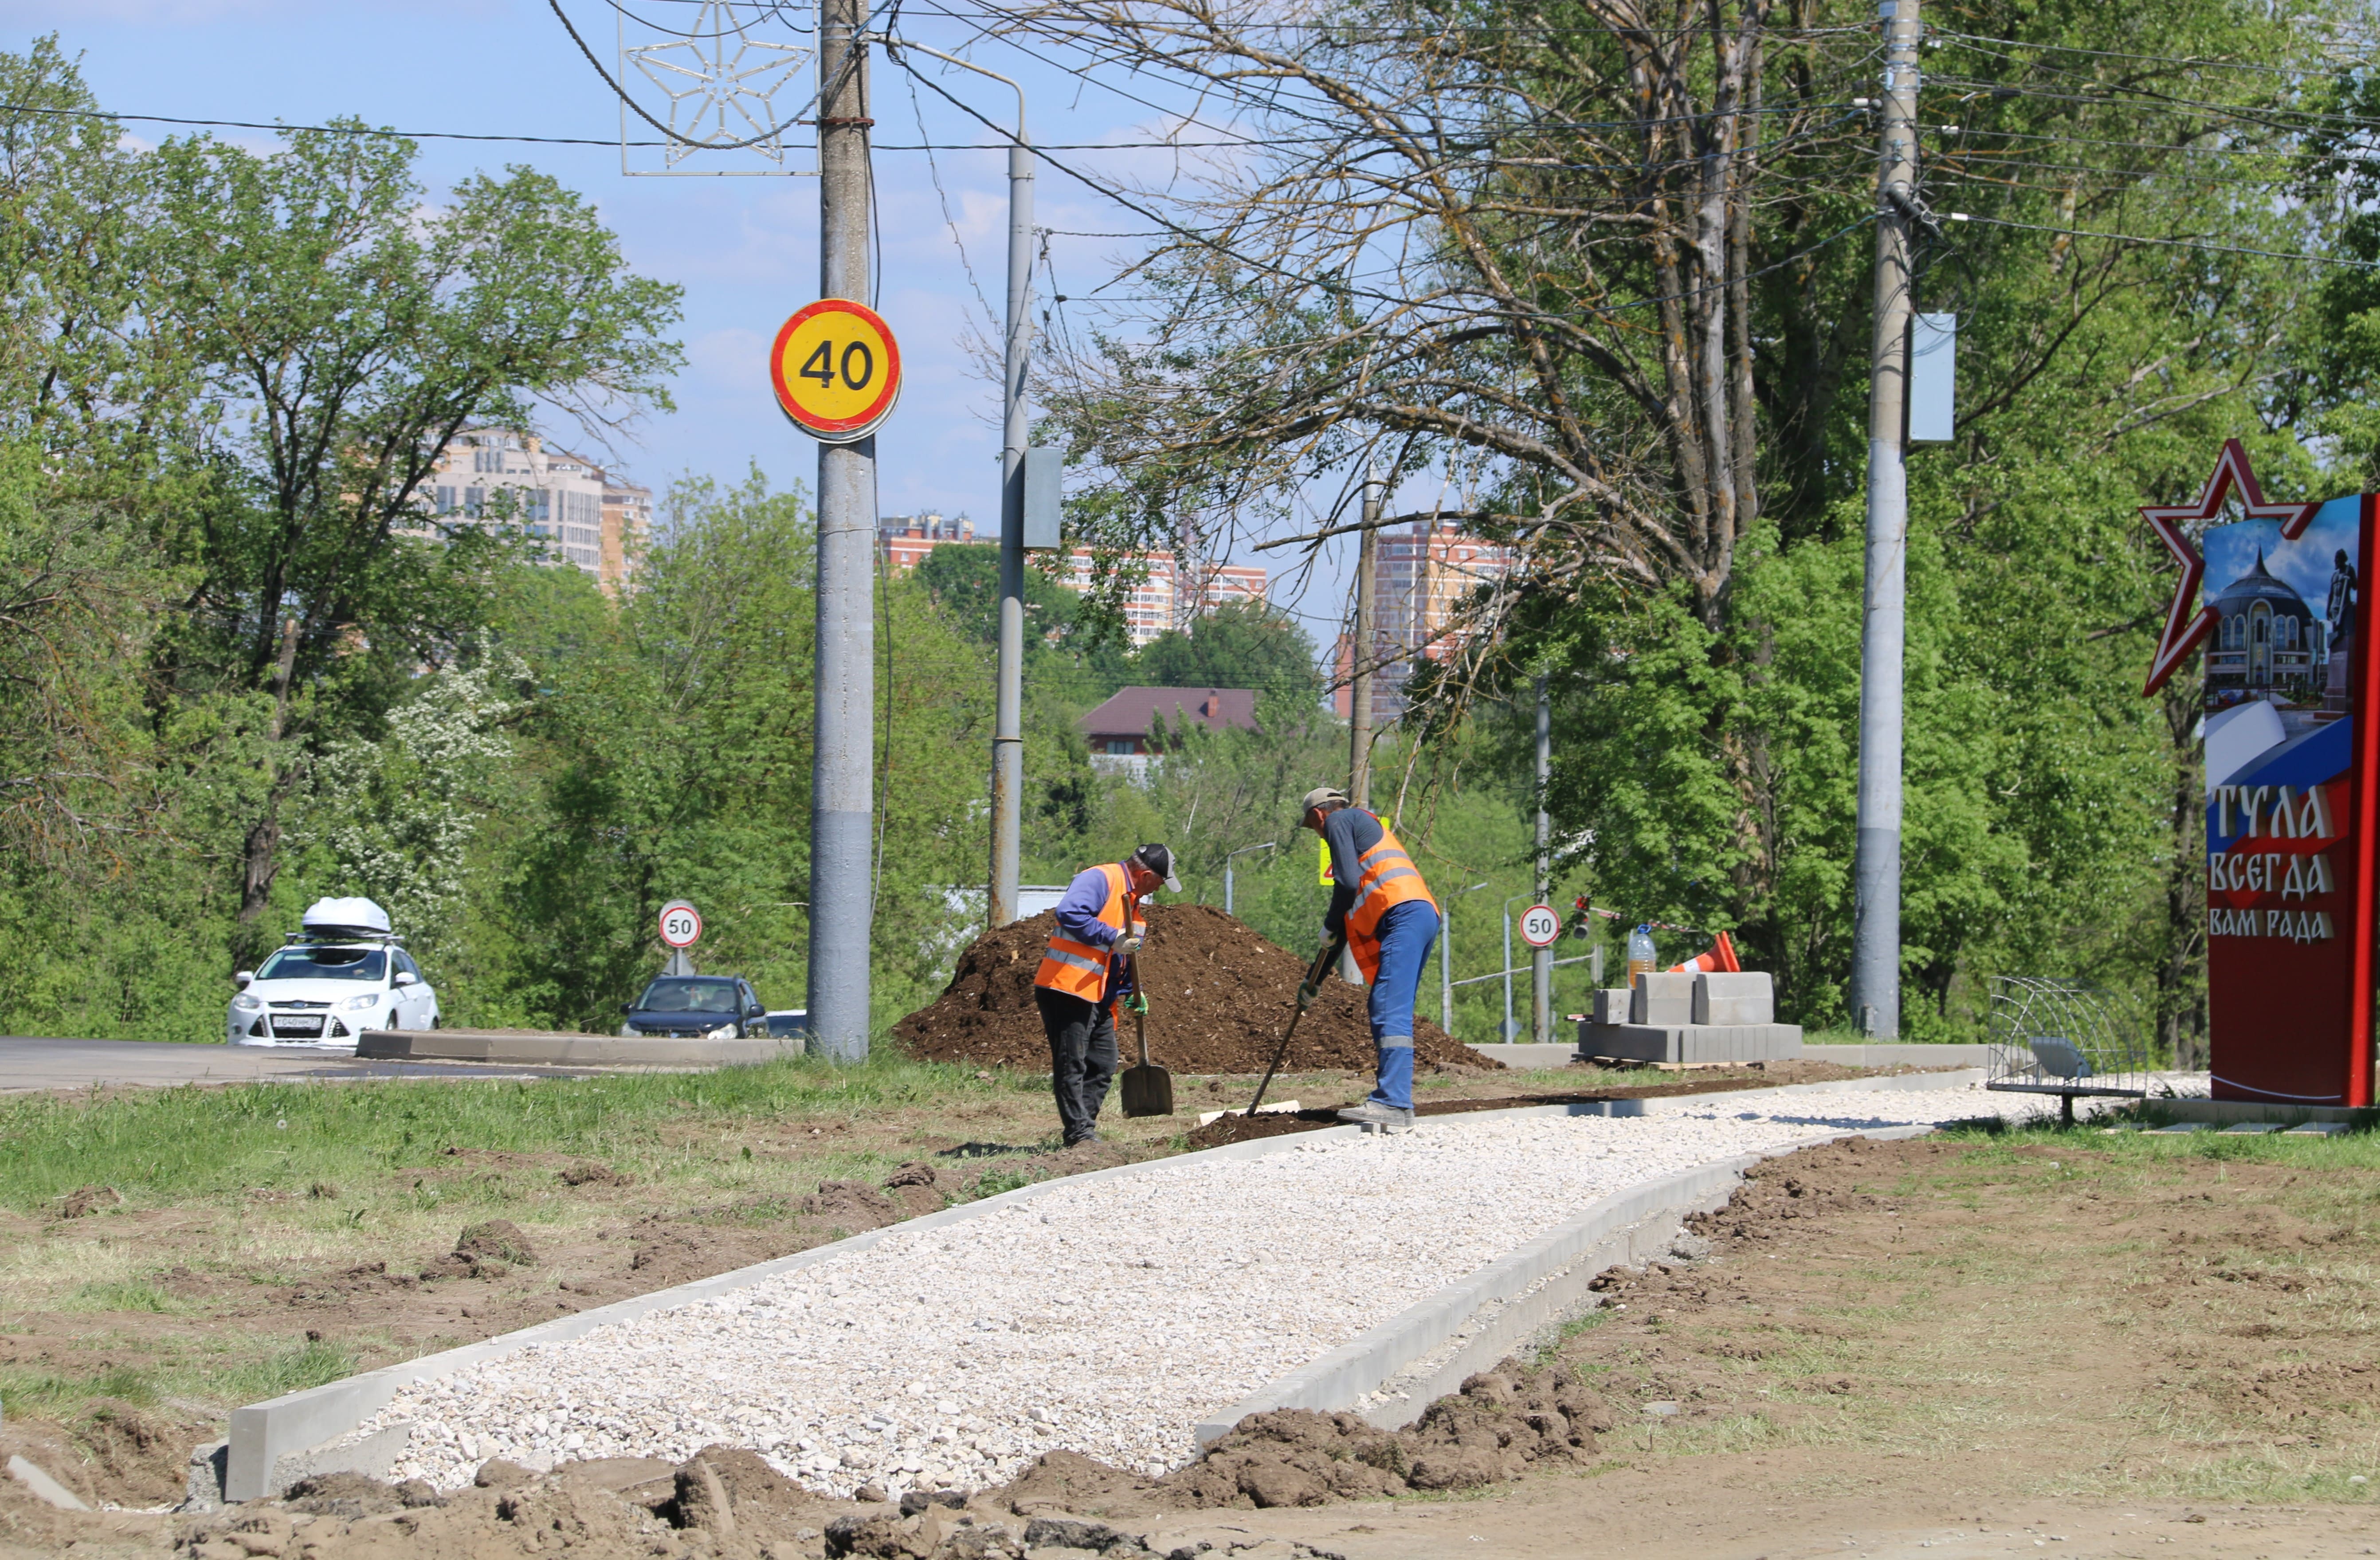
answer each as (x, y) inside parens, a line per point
(2292, 780)
(681, 927)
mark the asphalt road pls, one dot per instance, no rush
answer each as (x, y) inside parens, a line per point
(33, 1065)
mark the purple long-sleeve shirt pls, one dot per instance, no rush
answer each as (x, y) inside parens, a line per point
(1078, 917)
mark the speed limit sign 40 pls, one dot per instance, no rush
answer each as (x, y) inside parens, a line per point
(836, 370)
(681, 924)
(1540, 925)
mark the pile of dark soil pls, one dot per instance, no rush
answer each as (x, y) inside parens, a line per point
(1218, 996)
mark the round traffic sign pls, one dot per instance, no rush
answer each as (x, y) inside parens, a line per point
(836, 370)
(681, 924)
(1540, 925)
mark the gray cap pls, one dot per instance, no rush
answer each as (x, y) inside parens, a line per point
(1158, 859)
(1322, 796)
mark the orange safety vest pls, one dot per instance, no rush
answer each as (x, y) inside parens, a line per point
(1388, 878)
(1077, 968)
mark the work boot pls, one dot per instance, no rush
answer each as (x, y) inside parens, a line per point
(1375, 1116)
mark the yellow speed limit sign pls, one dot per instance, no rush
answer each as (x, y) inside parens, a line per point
(836, 370)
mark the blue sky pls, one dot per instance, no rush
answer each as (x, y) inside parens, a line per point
(745, 250)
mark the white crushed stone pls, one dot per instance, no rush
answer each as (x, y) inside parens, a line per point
(1105, 1318)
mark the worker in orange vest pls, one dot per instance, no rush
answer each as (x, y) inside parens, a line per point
(1379, 902)
(1100, 926)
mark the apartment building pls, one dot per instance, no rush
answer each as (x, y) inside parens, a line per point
(1171, 595)
(906, 538)
(1421, 575)
(494, 475)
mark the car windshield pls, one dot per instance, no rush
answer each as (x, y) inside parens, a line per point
(683, 994)
(325, 964)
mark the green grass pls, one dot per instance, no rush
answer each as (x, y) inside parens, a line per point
(174, 1143)
(231, 1374)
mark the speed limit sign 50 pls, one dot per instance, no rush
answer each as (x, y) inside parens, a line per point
(681, 924)
(1540, 925)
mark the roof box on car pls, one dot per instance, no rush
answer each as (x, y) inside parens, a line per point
(346, 918)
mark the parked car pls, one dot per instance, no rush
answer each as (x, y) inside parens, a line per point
(698, 1007)
(342, 974)
(789, 1023)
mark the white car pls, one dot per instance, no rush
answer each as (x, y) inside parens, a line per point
(325, 992)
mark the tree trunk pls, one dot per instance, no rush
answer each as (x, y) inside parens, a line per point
(260, 856)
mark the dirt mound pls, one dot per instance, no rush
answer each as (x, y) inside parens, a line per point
(1218, 996)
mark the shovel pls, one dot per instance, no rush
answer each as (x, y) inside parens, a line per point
(1314, 974)
(1148, 1088)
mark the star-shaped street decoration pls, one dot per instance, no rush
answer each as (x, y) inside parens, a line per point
(719, 83)
(2183, 628)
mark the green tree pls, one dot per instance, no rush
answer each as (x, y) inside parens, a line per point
(1239, 645)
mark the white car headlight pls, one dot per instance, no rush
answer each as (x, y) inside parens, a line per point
(245, 1003)
(357, 1004)
(724, 1032)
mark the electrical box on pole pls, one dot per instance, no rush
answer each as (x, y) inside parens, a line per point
(1932, 378)
(1045, 473)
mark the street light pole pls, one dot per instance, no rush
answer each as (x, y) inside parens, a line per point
(1541, 961)
(1008, 700)
(1508, 965)
(1268, 845)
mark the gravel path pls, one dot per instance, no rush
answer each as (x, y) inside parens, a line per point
(1104, 1318)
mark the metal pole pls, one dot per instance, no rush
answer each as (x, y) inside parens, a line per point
(1008, 728)
(1541, 961)
(1509, 1029)
(842, 773)
(1446, 960)
(1875, 936)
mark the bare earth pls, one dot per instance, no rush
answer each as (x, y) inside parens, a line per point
(1952, 1347)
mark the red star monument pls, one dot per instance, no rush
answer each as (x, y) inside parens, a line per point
(2184, 628)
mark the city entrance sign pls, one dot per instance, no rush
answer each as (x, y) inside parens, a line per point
(2292, 779)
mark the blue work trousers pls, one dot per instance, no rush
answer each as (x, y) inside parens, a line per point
(1407, 933)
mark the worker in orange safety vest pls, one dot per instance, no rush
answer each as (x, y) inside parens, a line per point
(1100, 926)
(1379, 902)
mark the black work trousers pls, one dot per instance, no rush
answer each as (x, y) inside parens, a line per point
(1082, 1057)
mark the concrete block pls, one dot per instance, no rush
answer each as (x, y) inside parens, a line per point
(42, 1487)
(1663, 998)
(1726, 997)
(1611, 1007)
(2317, 1129)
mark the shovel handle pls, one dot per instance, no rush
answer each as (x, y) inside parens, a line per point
(1314, 974)
(1140, 1004)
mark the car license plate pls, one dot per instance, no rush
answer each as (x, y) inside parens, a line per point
(309, 1027)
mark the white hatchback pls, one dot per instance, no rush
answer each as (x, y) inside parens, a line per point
(326, 992)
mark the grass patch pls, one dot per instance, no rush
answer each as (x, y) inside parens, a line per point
(156, 1144)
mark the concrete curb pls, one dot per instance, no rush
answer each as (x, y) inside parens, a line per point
(1390, 1374)
(275, 1443)
(574, 1050)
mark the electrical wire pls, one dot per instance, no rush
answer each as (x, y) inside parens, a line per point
(2163, 243)
(637, 109)
(935, 170)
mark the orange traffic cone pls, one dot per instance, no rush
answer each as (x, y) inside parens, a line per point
(1721, 957)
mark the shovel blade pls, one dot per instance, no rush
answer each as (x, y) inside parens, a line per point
(1148, 1091)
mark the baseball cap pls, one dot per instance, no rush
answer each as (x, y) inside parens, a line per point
(1322, 796)
(1160, 860)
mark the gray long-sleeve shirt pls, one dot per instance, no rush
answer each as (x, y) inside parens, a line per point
(1349, 832)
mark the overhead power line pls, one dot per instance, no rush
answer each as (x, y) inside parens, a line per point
(2164, 243)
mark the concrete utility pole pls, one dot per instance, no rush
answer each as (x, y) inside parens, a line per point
(1008, 715)
(1875, 936)
(1359, 727)
(843, 771)
(1359, 724)
(1541, 960)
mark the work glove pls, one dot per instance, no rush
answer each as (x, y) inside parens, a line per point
(1136, 1002)
(1125, 947)
(1306, 992)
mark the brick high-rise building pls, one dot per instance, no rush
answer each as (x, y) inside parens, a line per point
(1169, 596)
(906, 538)
(490, 476)
(1421, 574)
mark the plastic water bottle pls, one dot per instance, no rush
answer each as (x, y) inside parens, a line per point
(1641, 960)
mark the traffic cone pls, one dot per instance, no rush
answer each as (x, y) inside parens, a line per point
(1721, 957)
